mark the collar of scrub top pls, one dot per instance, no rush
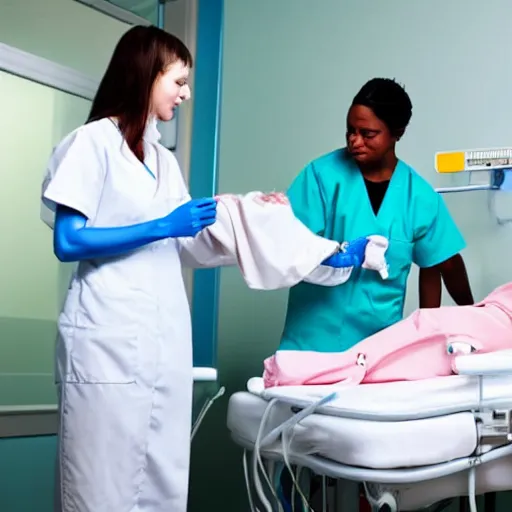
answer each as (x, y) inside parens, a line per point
(383, 222)
(151, 135)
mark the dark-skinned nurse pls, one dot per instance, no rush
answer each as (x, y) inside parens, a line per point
(363, 189)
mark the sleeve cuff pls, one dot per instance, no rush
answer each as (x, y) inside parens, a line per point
(51, 200)
(437, 258)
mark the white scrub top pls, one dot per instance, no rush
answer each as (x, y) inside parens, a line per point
(124, 352)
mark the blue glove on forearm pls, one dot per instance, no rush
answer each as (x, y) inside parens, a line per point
(74, 241)
(353, 256)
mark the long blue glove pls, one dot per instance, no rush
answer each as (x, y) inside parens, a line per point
(352, 257)
(73, 241)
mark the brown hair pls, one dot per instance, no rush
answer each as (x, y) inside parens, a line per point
(124, 92)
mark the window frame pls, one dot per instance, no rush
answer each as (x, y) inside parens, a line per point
(205, 26)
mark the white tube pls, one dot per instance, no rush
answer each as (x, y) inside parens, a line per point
(472, 489)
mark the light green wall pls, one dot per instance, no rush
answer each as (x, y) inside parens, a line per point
(34, 282)
(34, 118)
(291, 68)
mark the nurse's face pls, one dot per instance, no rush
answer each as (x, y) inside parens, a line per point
(369, 140)
(169, 90)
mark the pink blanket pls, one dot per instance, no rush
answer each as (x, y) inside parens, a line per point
(419, 347)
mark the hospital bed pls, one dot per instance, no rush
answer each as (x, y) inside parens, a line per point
(412, 444)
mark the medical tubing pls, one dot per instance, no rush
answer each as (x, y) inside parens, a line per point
(204, 410)
(257, 482)
(276, 478)
(274, 434)
(199, 417)
(304, 504)
(285, 443)
(257, 462)
(292, 497)
(386, 498)
(472, 489)
(270, 467)
(248, 482)
(286, 427)
(369, 496)
(297, 476)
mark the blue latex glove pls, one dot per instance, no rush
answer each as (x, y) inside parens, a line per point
(190, 218)
(352, 257)
(74, 241)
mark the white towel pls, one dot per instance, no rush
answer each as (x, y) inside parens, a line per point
(260, 234)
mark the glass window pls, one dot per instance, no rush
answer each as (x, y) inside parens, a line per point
(32, 282)
(147, 9)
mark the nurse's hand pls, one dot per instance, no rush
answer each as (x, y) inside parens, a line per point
(352, 256)
(190, 218)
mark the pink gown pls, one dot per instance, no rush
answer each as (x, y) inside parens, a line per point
(421, 346)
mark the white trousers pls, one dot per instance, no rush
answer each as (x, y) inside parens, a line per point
(125, 446)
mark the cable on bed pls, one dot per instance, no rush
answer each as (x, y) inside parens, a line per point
(257, 463)
(204, 410)
(248, 482)
(287, 427)
(293, 496)
(285, 444)
(271, 438)
(472, 489)
(386, 498)
(274, 434)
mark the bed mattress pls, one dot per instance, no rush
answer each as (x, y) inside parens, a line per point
(369, 443)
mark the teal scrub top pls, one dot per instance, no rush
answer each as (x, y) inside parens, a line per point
(330, 197)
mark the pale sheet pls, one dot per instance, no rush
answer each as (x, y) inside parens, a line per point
(273, 249)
